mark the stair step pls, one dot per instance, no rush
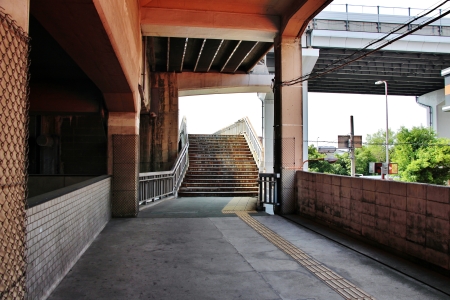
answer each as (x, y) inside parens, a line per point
(224, 155)
(194, 172)
(219, 184)
(220, 166)
(201, 176)
(212, 181)
(218, 144)
(217, 194)
(228, 168)
(237, 166)
(220, 163)
(221, 151)
(207, 159)
(218, 189)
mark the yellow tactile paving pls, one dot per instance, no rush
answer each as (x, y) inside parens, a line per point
(342, 286)
(238, 204)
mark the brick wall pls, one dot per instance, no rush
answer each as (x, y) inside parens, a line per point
(60, 230)
(409, 218)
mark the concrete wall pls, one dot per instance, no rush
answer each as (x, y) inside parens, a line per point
(79, 145)
(40, 184)
(408, 218)
(60, 230)
(440, 118)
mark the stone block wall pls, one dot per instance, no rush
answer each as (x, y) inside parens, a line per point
(410, 218)
(60, 230)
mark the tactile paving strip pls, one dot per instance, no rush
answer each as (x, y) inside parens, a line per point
(342, 286)
(239, 204)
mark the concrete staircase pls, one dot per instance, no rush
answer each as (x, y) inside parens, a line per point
(219, 165)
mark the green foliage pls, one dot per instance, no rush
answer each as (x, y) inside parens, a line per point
(376, 144)
(340, 167)
(364, 156)
(421, 156)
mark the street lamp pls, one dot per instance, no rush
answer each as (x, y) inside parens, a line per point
(387, 126)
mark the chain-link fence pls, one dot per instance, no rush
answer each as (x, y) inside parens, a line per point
(14, 52)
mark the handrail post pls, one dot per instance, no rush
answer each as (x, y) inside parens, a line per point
(155, 185)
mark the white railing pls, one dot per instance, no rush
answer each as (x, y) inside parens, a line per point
(243, 126)
(156, 185)
(380, 10)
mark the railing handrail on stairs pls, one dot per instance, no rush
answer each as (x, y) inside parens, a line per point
(156, 185)
(243, 126)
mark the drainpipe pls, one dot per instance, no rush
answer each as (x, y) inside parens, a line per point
(263, 163)
(262, 120)
(430, 111)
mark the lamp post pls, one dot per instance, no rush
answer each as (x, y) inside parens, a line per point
(387, 126)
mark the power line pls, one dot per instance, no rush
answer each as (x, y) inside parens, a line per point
(319, 74)
(372, 43)
(383, 144)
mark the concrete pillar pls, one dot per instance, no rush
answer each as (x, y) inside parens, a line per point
(145, 144)
(123, 162)
(13, 147)
(268, 132)
(288, 122)
(309, 59)
(163, 126)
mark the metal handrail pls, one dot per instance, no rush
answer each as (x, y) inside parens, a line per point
(375, 10)
(243, 126)
(156, 185)
(267, 189)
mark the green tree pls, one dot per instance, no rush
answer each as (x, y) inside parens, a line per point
(317, 166)
(364, 156)
(376, 144)
(340, 167)
(421, 156)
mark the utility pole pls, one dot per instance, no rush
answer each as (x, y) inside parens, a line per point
(352, 147)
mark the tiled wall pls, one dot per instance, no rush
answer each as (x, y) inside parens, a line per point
(410, 218)
(60, 230)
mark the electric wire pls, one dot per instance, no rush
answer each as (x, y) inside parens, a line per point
(375, 41)
(383, 144)
(372, 43)
(320, 73)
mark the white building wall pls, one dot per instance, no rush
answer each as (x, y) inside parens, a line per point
(440, 119)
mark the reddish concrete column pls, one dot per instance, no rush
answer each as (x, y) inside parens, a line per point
(163, 122)
(288, 123)
(123, 162)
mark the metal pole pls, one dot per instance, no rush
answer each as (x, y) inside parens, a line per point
(387, 123)
(387, 132)
(352, 148)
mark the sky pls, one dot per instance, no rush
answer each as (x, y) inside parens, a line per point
(329, 114)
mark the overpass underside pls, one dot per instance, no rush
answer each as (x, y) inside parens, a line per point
(411, 65)
(408, 73)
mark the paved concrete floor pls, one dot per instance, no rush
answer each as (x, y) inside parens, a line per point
(187, 248)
